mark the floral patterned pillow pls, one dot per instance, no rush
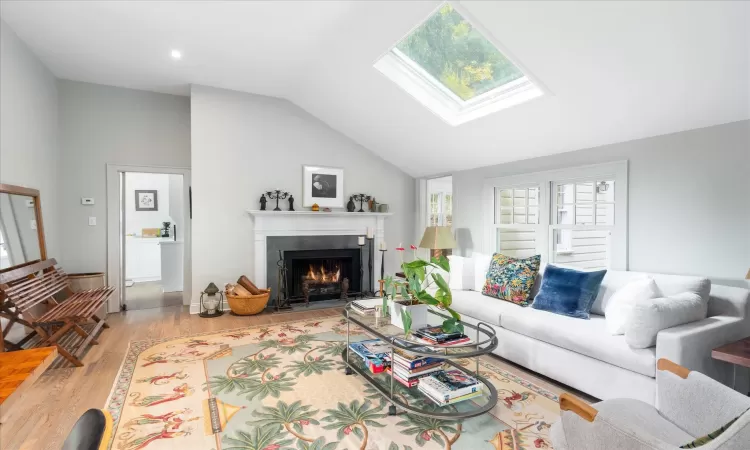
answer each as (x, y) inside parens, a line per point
(511, 279)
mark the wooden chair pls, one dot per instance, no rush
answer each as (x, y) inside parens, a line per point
(30, 285)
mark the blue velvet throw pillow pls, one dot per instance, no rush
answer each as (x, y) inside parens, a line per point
(568, 292)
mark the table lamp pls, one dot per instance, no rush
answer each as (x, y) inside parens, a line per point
(438, 239)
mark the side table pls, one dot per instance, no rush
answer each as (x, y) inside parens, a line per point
(737, 353)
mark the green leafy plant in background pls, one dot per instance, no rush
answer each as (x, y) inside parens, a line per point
(450, 49)
(420, 276)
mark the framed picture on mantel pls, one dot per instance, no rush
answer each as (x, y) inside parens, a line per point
(323, 185)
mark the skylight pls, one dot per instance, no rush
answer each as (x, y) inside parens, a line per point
(455, 70)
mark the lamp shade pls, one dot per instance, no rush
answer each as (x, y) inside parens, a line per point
(438, 238)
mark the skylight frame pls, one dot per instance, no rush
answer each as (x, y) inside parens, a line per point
(438, 98)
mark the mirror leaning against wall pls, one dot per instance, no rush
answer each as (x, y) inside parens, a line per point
(21, 229)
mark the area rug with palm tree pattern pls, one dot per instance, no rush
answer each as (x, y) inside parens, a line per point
(283, 387)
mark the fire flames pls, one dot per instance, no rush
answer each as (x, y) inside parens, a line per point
(320, 274)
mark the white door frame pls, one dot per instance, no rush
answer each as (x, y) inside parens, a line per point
(115, 237)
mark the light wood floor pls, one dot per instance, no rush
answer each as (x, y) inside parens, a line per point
(50, 409)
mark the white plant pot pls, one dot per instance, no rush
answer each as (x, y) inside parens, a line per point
(418, 315)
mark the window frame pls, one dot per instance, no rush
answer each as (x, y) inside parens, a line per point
(423, 87)
(547, 182)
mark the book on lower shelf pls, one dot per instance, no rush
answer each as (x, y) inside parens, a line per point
(453, 400)
(374, 353)
(412, 360)
(447, 385)
(408, 380)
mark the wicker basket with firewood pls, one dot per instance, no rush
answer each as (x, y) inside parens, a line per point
(246, 299)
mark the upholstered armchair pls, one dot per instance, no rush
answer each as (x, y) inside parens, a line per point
(689, 405)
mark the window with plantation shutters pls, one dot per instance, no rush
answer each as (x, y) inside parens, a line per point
(571, 217)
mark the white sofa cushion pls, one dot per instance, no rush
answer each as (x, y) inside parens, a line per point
(483, 308)
(481, 266)
(620, 306)
(587, 337)
(667, 284)
(649, 316)
(462, 273)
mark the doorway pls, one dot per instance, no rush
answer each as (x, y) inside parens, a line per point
(148, 236)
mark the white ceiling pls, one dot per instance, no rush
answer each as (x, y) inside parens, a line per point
(616, 71)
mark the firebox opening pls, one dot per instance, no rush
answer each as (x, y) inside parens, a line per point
(314, 275)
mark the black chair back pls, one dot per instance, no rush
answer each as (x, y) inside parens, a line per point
(88, 432)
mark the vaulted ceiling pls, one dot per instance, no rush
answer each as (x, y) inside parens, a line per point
(615, 71)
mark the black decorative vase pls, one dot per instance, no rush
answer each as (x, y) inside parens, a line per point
(350, 205)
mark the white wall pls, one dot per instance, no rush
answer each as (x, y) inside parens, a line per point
(29, 152)
(689, 199)
(176, 204)
(136, 221)
(102, 125)
(244, 144)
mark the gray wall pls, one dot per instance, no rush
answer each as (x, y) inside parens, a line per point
(102, 125)
(689, 205)
(245, 144)
(29, 152)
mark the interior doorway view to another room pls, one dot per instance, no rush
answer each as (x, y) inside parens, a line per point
(153, 223)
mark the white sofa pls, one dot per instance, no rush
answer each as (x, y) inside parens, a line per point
(582, 354)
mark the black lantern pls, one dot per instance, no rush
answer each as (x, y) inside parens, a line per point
(211, 305)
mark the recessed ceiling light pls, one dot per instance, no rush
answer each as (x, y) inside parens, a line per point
(176, 54)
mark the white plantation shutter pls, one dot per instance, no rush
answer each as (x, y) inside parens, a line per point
(583, 215)
(516, 223)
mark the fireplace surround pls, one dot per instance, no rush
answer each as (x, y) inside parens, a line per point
(307, 230)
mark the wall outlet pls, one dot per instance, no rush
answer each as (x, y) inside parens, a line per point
(87, 200)
(92, 221)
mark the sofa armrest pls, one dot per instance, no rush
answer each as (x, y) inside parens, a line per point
(690, 344)
(695, 402)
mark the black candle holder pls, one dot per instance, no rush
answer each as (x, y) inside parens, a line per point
(382, 263)
(370, 263)
(361, 271)
(277, 195)
(361, 198)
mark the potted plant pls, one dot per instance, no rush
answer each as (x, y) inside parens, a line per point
(410, 311)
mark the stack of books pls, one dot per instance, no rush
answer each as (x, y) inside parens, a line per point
(446, 387)
(375, 353)
(408, 368)
(366, 307)
(436, 336)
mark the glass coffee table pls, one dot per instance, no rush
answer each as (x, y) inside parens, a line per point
(464, 357)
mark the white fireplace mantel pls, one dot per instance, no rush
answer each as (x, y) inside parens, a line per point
(310, 223)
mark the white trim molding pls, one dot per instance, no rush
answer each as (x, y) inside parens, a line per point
(116, 238)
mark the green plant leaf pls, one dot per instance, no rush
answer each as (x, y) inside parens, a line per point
(404, 292)
(452, 326)
(416, 264)
(444, 291)
(441, 262)
(424, 297)
(415, 285)
(453, 313)
(406, 321)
